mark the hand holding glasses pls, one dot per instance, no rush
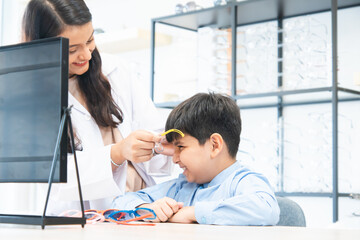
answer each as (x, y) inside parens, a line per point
(159, 148)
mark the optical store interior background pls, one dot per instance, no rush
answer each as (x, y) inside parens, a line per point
(188, 62)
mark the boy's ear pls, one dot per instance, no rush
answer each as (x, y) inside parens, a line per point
(217, 143)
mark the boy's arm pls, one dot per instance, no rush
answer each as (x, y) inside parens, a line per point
(164, 208)
(253, 203)
(131, 200)
(184, 215)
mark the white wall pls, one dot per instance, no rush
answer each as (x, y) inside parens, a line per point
(11, 16)
(1, 20)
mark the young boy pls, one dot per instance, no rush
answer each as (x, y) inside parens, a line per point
(214, 188)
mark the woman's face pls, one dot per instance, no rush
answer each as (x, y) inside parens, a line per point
(81, 45)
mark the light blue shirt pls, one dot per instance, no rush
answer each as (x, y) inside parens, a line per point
(236, 196)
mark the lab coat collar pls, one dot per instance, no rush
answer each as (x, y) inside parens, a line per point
(76, 104)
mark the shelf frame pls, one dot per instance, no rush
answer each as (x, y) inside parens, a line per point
(266, 10)
(335, 106)
(356, 97)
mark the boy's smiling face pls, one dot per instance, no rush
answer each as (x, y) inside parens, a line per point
(194, 159)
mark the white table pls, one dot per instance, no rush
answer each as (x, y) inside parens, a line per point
(171, 231)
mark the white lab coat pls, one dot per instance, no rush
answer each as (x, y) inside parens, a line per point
(99, 184)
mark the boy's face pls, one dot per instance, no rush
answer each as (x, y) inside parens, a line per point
(194, 159)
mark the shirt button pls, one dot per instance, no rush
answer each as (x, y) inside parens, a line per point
(203, 219)
(87, 117)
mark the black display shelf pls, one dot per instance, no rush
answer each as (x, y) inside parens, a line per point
(250, 12)
(352, 95)
(292, 92)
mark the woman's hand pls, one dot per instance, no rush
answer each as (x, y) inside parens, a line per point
(137, 147)
(167, 148)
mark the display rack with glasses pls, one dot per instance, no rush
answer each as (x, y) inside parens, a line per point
(235, 17)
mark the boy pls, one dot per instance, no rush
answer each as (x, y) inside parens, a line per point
(214, 188)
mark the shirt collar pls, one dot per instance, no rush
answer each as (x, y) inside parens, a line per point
(76, 104)
(218, 179)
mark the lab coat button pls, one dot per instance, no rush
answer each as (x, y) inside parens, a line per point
(87, 117)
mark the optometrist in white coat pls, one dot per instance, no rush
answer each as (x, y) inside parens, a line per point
(99, 182)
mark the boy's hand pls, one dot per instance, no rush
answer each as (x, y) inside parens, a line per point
(184, 215)
(164, 208)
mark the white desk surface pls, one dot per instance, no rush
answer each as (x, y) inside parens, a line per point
(171, 231)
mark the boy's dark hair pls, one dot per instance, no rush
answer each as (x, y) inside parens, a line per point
(204, 114)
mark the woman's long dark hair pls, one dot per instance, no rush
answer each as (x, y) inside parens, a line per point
(49, 18)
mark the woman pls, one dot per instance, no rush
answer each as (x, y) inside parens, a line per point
(108, 108)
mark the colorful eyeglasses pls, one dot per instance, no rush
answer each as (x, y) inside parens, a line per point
(159, 147)
(91, 216)
(126, 216)
(114, 215)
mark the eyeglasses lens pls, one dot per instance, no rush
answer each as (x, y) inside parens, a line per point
(121, 216)
(108, 212)
(90, 215)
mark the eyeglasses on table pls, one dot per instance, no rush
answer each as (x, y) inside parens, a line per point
(124, 217)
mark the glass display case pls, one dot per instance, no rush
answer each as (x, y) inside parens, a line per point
(290, 67)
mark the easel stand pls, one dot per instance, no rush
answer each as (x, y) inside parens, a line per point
(52, 220)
